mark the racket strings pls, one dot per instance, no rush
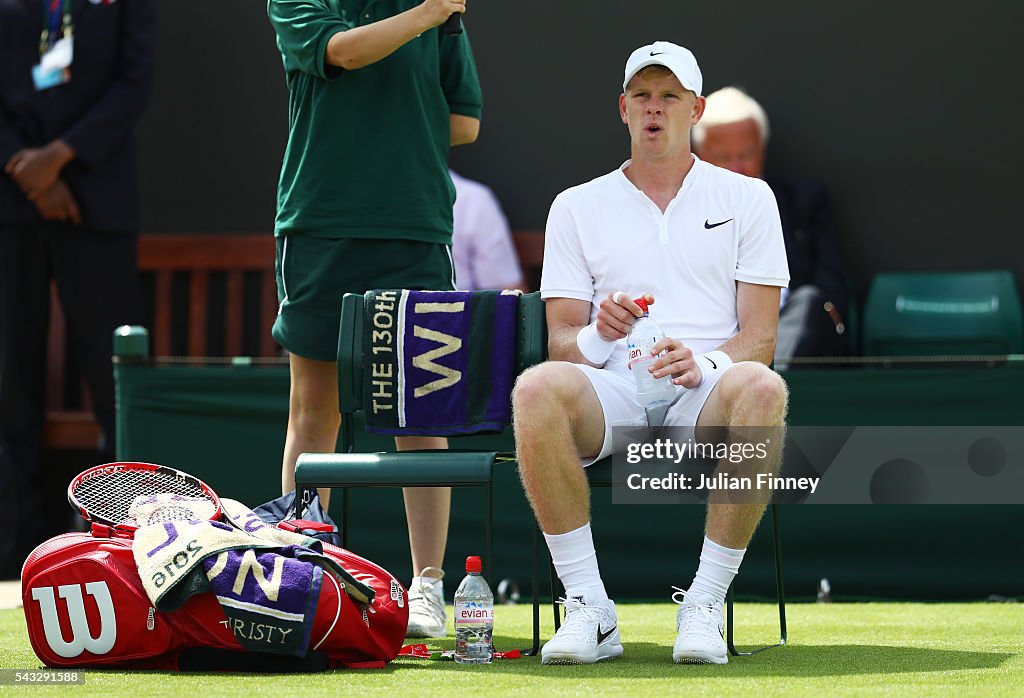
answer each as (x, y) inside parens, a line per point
(116, 497)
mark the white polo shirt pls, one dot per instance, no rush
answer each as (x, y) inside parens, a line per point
(721, 227)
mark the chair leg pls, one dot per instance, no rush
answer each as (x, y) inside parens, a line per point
(344, 518)
(779, 588)
(536, 593)
(780, 592)
(555, 586)
(535, 587)
(488, 548)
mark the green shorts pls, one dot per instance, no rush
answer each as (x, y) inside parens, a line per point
(313, 274)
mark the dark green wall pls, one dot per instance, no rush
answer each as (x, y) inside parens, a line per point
(227, 425)
(909, 110)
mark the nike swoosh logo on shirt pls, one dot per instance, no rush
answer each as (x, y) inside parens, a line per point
(709, 225)
(713, 364)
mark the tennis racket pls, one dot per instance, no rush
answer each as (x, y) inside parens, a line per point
(127, 496)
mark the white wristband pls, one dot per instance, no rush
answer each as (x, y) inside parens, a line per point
(595, 348)
(713, 362)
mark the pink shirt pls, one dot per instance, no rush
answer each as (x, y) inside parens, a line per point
(485, 256)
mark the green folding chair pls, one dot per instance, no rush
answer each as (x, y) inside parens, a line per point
(353, 466)
(943, 314)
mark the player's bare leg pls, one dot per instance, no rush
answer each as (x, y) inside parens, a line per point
(558, 418)
(750, 400)
(749, 395)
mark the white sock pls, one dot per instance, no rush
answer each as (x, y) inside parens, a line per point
(434, 584)
(575, 561)
(718, 567)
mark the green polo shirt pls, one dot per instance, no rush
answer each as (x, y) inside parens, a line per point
(367, 153)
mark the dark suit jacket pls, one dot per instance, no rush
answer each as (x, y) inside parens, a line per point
(812, 245)
(95, 112)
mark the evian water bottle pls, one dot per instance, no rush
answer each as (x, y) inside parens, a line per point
(650, 391)
(474, 616)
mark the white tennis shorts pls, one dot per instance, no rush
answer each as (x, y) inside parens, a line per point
(617, 392)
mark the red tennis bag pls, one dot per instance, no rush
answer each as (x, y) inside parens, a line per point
(85, 606)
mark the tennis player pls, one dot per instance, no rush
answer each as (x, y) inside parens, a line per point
(706, 245)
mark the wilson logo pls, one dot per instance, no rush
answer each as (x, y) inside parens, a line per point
(81, 634)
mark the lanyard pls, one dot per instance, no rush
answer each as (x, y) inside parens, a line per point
(52, 20)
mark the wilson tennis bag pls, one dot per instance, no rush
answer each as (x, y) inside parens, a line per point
(87, 606)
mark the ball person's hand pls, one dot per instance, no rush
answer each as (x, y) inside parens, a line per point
(439, 11)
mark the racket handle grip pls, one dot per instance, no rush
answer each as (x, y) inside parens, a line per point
(297, 525)
(98, 530)
(453, 25)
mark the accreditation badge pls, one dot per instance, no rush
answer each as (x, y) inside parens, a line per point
(54, 68)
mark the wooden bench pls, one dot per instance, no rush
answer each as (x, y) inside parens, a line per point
(194, 284)
(530, 249)
(174, 268)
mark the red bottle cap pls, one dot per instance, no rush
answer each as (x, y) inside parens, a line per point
(473, 564)
(642, 302)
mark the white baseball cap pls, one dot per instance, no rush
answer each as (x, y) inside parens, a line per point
(674, 57)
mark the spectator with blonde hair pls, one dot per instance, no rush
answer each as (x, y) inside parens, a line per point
(734, 134)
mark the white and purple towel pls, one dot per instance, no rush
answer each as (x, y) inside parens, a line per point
(439, 363)
(267, 580)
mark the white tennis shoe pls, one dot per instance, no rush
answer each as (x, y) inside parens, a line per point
(589, 633)
(427, 615)
(700, 623)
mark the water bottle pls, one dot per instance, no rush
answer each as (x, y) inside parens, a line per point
(650, 391)
(474, 616)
